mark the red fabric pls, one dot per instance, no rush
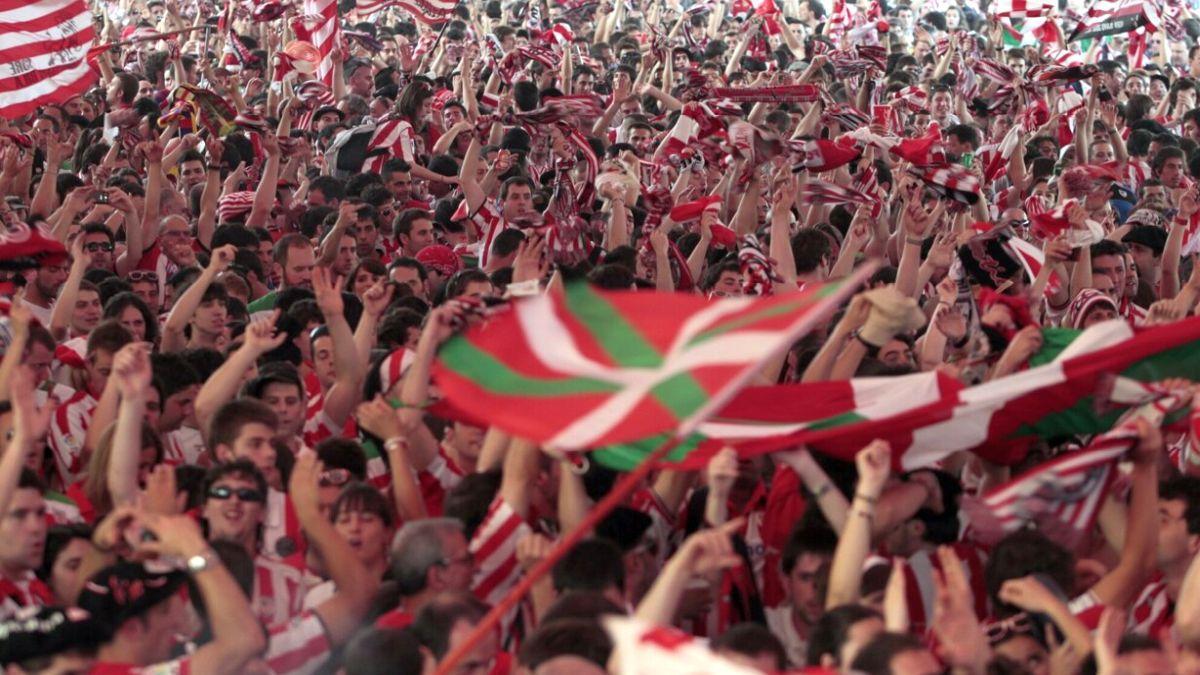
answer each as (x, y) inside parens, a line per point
(785, 506)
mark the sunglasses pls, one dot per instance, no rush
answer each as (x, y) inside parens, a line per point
(97, 246)
(1017, 223)
(334, 477)
(143, 275)
(243, 494)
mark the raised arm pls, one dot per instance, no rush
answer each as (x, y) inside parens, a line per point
(342, 615)
(346, 390)
(237, 635)
(264, 194)
(64, 307)
(173, 338)
(206, 223)
(260, 337)
(845, 572)
(131, 370)
(30, 424)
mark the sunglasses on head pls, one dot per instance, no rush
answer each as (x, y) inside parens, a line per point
(143, 275)
(243, 494)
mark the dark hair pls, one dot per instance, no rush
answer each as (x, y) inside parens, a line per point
(117, 304)
(584, 638)
(1164, 154)
(506, 242)
(436, 620)
(343, 453)
(227, 422)
(1187, 490)
(1024, 553)
(405, 220)
(469, 501)
(592, 565)
(382, 651)
(330, 187)
(875, 658)
(1108, 247)
(362, 497)
(811, 539)
(752, 639)
(832, 629)
(108, 336)
(457, 284)
(809, 247)
(238, 468)
(581, 605)
(57, 539)
(174, 373)
(611, 277)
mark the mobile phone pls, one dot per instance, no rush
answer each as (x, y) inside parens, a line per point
(967, 159)
(101, 197)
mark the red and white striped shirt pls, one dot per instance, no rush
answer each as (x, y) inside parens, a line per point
(490, 223)
(184, 445)
(1153, 611)
(278, 591)
(922, 593)
(282, 535)
(494, 546)
(28, 591)
(437, 480)
(298, 647)
(67, 432)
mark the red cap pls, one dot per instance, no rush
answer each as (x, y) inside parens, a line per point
(692, 210)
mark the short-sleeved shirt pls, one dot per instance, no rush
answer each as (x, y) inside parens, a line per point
(68, 430)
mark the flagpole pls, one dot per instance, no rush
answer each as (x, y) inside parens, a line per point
(620, 490)
(436, 42)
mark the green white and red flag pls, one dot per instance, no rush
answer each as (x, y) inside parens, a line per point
(586, 368)
(1078, 383)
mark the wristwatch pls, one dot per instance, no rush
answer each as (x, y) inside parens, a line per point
(200, 562)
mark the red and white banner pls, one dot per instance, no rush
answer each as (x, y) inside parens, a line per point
(320, 28)
(43, 53)
(428, 12)
(1019, 9)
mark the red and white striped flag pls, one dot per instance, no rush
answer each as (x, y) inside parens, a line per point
(1063, 495)
(1019, 9)
(319, 27)
(43, 54)
(817, 191)
(428, 12)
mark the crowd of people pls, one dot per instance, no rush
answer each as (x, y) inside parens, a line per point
(230, 264)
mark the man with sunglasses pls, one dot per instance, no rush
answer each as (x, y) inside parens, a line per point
(98, 246)
(234, 510)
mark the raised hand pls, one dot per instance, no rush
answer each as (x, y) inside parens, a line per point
(722, 471)
(874, 464)
(131, 370)
(378, 418)
(711, 550)
(222, 258)
(328, 292)
(30, 421)
(377, 298)
(261, 335)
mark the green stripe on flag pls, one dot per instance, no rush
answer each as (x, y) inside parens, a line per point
(680, 394)
(479, 366)
(619, 339)
(626, 456)
(850, 417)
(763, 314)
(1083, 417)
